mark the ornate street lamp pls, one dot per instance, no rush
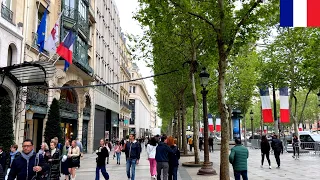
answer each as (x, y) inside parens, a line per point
(206, 168)
(251, 117)
(29, 114)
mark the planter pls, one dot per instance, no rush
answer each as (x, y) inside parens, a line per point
(192, 164)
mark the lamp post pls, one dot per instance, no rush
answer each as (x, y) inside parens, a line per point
(251, 117)
(206, 168)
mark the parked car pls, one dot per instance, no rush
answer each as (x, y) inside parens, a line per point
(308, 140)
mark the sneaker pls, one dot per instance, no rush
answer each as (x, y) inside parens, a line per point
(293, 156)
(269, 167)
(261, 166)
(278, 167)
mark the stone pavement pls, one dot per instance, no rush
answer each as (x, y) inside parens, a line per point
(306, 167)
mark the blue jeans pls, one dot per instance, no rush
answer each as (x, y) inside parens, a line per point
(173, 173)
(103, 171)
(118, 156)
(131, 163)
(244, 175)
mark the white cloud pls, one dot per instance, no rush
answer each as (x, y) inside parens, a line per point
(126, 9)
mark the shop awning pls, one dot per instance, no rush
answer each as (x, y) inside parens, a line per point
(29, 73)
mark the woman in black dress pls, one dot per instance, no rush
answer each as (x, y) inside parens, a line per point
(65, 162)
(74, 158)
(54, 161)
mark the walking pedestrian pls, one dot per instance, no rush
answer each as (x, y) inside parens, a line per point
(64, 161)
(117, 151)
(74, 159)
(190, 142)
(211, 144)
(1, 173)
(44, 151)
(79, 144)
(13, 154)
(162, 157)
(54, 161)
(3, 158)
(277, 147)
(59, 145)
(265, 150)
(200, 143)
(173, 159)
(239, 159)
(28, 164)
(151, 151)
(102, 153)
(296, 146)
(109, 147)
(133, 150)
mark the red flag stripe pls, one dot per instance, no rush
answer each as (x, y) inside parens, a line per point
(284, 115)
(313, 13)
(267, 115)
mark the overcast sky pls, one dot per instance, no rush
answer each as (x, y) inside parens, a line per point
(126, 9)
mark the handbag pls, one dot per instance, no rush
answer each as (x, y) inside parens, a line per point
(75, 159)
(40, 176)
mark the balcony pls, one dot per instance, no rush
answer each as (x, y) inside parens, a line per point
(35, 97)
(124, 104)
(6, 13)
(35, 45)
(80, 59)
(69, 107)
(124, 67)
(74, 17)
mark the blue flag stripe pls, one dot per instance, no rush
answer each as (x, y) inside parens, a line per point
(66, 65)
(286, 13)
(264, 92)
(42, 30)
(69, 40)
(284, 91)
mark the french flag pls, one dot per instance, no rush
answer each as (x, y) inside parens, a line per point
(65, 49)
(210, 121)
(218, 124)
(266, 106)
(284, 106)
(300, 127)
(299, 13)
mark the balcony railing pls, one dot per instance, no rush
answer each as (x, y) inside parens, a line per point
(123, 103)
(64, 105)
(36, 98)
(6, 13)
(81, 60)
(74, 14)
(126, 69)
(35, 45)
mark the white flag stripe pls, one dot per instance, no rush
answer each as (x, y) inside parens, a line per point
(265, 102)
(218, 121)
(210, 121)
(299, 13)
(284, 102)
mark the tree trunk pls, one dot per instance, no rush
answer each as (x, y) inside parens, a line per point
(184, 137)
(224, 153)
(230, 123)
(179, 128)
(195, 121)
(304, 106)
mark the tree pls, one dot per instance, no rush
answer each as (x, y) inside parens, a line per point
(6, 121)
(53, 124)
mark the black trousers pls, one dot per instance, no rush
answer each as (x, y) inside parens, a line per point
(268, 159)
(296, 150)
(211, 148)
(277, 156)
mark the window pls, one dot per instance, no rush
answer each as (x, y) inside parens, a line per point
(132, 75)
(82, 9)
(7, 3)
(9, 57)
(69, 3)
(134, 89)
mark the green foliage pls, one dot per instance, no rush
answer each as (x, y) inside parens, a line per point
(53, 124)
(6, 121)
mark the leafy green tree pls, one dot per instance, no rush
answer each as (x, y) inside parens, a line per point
(53, 124)
(6, 121)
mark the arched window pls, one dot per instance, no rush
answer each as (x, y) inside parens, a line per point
(9, 57)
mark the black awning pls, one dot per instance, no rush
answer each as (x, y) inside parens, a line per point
(29, 73)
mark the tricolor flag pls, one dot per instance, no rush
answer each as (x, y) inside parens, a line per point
(210, 123)
(65, 49)
(51, 43)
(300, 127)
(266, 106)
(284, 106)
(299, 13)
(218, 124)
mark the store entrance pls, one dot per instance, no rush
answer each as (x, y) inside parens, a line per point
(69, 128)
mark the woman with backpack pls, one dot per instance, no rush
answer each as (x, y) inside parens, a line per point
(151, 151)
(173, 159)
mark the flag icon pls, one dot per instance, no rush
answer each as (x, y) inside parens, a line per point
(299, 13)
(266, 106)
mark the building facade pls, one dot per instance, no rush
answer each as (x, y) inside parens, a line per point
(140, 103)
(125, 60)
(107, 70)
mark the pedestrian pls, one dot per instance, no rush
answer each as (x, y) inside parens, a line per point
(200, 143)
(44, 151)
(102, 153)
(239, 159)
(28, 165)
(162, 157)
(54, 162)
(296, 146)
(210, 144)
(3, 158)
(74, 159)
(265, 150)
(79, 144)
(190, 142)
(1, 172)
(109, 147)
(117, 151)
(173, 159)
(13, 154)
(277, 147)
(151, 151)
(133, 150)
(64, 161)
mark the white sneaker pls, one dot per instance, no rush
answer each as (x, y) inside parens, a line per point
(269, 167)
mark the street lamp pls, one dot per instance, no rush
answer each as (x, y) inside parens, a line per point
(251, 117)
(206, 168)
(29, 114)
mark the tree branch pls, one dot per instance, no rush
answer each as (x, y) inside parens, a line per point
(241, 22)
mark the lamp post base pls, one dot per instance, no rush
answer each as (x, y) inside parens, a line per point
(207, 170)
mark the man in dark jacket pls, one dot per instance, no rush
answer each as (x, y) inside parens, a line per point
(1, 173)
(28, 164)
(238, 158)
(102, 153)
(162, 157)
(133, 150)
(277, 147)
